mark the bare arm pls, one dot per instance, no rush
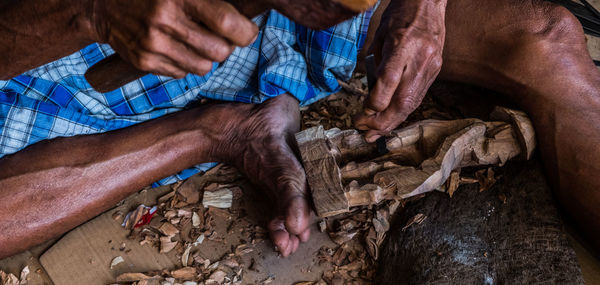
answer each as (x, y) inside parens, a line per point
(36, 32)
(53, 186)
(167, 37)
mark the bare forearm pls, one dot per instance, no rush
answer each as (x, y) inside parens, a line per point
(56, 185)
(34, 32)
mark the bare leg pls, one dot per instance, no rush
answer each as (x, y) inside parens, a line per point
(534, 52)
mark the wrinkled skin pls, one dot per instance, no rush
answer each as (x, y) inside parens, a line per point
(260, 147)
(408, 47)
(172, 37)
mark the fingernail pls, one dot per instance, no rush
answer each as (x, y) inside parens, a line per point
(369, 112)
(372, 138)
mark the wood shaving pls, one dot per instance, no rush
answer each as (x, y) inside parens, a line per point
(222, 198)
(185, 224)
(132, 277)
(186, 273)
(217, 277)
(116, 261)
(486, 179)
(166, 244)
(186, 256)
(11, 279)
(168, 230)
(417, 219)
(195, 220)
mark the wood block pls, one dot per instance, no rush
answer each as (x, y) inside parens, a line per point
(322, 172)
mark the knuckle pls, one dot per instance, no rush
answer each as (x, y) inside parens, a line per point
(157, 13)
(390, 77)
(437, 62)
(377, 103)
(225, 22)
(159, 18)
(400, 32)
(430, 49)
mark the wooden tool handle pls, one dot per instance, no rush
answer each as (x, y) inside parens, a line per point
(114, 72)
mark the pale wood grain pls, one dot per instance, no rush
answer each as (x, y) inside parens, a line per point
(322, 173)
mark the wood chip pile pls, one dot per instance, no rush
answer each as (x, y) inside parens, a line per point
(11, 279)
(186, 216)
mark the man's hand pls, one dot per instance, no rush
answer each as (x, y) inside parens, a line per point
(408, 45)
(172, 37)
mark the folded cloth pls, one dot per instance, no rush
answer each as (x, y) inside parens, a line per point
(55, 100)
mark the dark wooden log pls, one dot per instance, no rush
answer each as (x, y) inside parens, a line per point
(510, 234)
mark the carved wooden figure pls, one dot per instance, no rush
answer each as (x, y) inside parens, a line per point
(344, 171)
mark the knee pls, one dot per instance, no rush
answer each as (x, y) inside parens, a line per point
(557, 25)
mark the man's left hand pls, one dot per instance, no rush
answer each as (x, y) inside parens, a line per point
(408, 45)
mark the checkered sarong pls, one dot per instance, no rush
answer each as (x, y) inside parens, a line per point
(55, 100)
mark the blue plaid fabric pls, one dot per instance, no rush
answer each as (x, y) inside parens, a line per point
(55, 100)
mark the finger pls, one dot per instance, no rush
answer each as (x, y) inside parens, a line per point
(372, 136)
(407, 98)
(180, 54)
(200, 40)
(150, 62)
(223, 19)
(279, 235)
(167, 68)
(389, 74)
(383, 121)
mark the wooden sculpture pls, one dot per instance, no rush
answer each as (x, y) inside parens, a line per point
(344, 171)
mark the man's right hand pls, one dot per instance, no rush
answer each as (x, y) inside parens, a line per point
(172, 37)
